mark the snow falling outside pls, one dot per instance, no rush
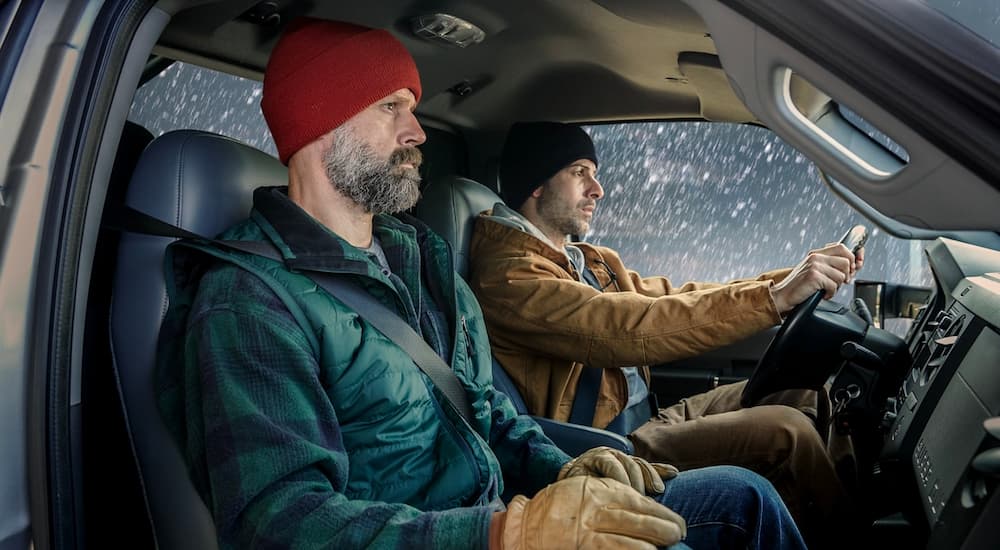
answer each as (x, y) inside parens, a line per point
(189, 97)
(687, 200)
(714, 202)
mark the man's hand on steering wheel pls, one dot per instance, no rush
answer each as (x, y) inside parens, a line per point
(823, 269)
(797, 296)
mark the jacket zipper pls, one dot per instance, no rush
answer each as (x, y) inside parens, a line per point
(469, 350)
(454, 427)
(462, 443)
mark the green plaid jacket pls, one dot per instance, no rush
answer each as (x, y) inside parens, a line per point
(302, 425)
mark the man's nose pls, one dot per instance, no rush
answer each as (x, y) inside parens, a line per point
(411, 134)
(595, 190)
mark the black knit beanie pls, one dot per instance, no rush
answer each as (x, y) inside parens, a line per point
(536, 151)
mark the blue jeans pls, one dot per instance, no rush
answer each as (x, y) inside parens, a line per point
(730, 507)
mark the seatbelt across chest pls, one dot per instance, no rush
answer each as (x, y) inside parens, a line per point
(589, 384)
(350, 293)
(396, 329)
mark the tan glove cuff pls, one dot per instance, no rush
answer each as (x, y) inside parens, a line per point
(514, 524)
(643, 476)
(589, 512)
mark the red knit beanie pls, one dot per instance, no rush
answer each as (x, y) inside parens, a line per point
(322, 73)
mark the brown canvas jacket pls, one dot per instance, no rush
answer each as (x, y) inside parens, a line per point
(544, 325)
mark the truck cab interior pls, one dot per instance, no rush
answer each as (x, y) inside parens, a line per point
(889, 111)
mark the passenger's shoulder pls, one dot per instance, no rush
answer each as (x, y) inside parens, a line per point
(227, 286)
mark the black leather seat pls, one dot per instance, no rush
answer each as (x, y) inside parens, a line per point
(450, 206)
(201, 182)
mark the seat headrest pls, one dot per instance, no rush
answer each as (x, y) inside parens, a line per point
(200, 181)
(450, 206)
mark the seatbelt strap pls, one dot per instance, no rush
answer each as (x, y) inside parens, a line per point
(589, 384)
(585, 401)
(631, 418)
(347, 291)
(399, 331)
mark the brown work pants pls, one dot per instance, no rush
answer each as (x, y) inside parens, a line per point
(785, 439)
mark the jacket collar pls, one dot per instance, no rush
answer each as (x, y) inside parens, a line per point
(501, 213)
(307, 244)
(503, 223)
(510, 228)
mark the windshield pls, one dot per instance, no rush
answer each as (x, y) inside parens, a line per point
(979, 16)
(716, 201)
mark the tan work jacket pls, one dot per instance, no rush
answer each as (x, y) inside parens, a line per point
(545, 325)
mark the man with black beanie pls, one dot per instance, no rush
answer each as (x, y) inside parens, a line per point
(575, 329)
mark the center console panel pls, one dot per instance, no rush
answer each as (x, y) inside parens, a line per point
(942, 439)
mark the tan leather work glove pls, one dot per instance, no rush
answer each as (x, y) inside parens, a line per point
(645, 477)
(588, 512)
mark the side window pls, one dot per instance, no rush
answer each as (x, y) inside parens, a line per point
(702, 201)
(186, 96)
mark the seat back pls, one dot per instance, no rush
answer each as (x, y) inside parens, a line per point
(503, 382)
(201, 182)
(449, 206)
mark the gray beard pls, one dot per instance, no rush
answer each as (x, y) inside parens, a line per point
(380, 187)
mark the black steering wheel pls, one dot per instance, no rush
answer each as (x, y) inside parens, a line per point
(777, 369)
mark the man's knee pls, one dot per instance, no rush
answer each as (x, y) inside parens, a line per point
(725, 490)
(739, 479)
(742, 488)
(785, 434)
(790, 426)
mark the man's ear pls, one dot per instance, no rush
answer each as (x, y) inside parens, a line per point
(538, 191)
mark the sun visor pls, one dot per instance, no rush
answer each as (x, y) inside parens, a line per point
(718, 100)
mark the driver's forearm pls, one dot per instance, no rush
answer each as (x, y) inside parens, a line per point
(622, 329)
(776, 275)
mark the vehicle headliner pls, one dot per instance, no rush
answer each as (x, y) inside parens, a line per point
(594, 61)
(570, 60)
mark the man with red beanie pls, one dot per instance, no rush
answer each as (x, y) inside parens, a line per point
(303, 426)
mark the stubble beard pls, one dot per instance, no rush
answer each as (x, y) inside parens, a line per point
(378, 186)
(568, 220)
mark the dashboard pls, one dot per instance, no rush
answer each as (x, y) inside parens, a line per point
(942, 427)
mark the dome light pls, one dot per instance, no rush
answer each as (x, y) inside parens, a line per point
(451, 30)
